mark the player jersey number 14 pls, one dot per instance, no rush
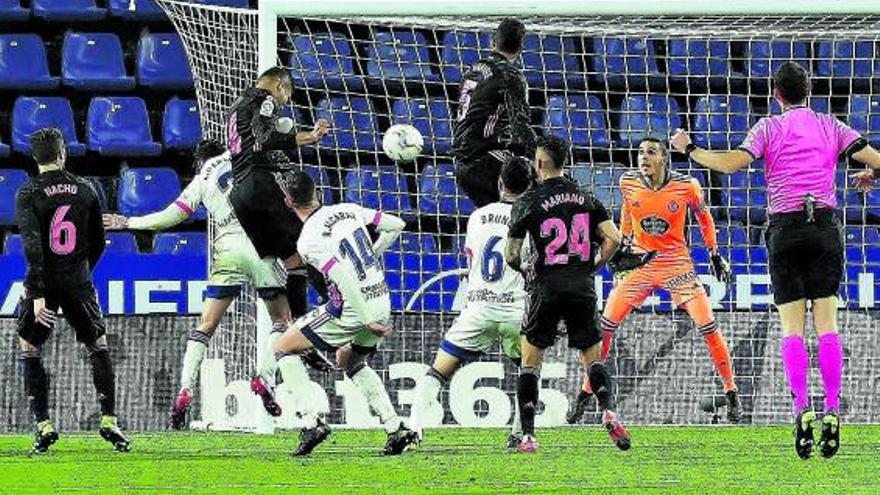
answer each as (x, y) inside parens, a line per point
(577, 238)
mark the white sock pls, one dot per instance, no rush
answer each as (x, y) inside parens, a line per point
(196, 347)
(270, 365)
(295, 376)
(371, 386)
(426, 393)
(516, 428)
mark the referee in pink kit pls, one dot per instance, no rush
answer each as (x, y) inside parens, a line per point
(804, 239)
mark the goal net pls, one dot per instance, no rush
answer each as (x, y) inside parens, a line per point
(603, 83)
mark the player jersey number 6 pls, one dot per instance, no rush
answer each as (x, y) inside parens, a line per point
(578, 239)
(62, 233)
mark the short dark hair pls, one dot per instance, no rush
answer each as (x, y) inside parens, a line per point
(277, 72)
(793, 82)
(517, 175)
(205, 150)
(658, 141)
(557, 148)
(300, 188)
(46, 145)
(509, 35)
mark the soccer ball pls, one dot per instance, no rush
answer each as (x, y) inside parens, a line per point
(402, 143)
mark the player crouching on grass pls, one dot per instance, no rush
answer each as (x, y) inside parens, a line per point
(496, 297)
(335, 240)
(656, 201)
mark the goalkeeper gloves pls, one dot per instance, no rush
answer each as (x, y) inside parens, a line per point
(720, 268)
(625, 259)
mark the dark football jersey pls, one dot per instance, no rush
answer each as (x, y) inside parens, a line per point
(251, 134)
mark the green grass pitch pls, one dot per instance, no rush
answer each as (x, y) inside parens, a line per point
(698, 460)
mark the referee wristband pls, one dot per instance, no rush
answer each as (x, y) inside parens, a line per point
(689, 149)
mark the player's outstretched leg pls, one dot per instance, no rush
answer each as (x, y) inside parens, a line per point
(600, 380)
(426, 392)
(196, 347)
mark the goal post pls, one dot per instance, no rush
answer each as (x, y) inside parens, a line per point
(602, 74)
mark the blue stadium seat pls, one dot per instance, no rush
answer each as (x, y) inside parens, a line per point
(146, 190)
(120, 126)
(180, 125)
(181, 243)
(698, 58)
(579, 119)
(68, 10)
(629, 62)
(30, 114)
(13, 244)
(439, 194)
(643, 116)
(382, 188)
(23, 63)
(412, 242)
(144, 10)
(693, 170)
(324, 60)
(12, 11)
(431, 117)
(162, 62)
(764, 57)
(4, 150)
(550, 62)
(400, 55)
(846, 58)
(461, 50)
(819, 104)
(354, 124)
(603, 180)
(94, 61)
(744, 194)
(721, 122)
(872, 237)
(11, 181)
(864, 116)
(727, 234)
(120, 243)
(322, 181)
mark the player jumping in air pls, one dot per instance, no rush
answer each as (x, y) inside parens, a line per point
(234, 263)
(492, 122)
(335, 240)
(60, 221)
(562, 222)
(496, 297)
(801, 149)
(656, 202)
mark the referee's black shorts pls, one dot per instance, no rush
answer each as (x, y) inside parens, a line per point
(258, 201)
(478, 177)
(806, 258)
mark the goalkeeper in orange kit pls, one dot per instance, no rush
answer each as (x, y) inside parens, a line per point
(656, 201)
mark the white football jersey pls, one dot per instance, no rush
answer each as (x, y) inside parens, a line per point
(336, 236)
(211, 188)
(491, 283)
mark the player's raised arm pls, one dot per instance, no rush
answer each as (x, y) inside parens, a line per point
(29, 226)
(389, 226)
(273, 132)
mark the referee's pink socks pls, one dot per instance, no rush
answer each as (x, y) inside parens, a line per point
(831, 367)
(797, 366)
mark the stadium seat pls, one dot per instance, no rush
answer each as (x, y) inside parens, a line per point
(439, 194)
(625, 62)
(764, 57)
(68, 10)
(721, 122)
(411, 242)
(120, 243)
(180, 125)
(23, 63)
(431, 117)
(324, 60)
(864, 116)
(579, 119)
(744, 194)
(846, 58)
(181, 243)
(144, 10)
(94, 61)
(120, 126)
(11, 181)
(400, 55)
(146, 190)
(819, 104)
(643, 116)
(30, 114)
(382, 188)
(4, 150)
(354, 124)
(727, 234)
(603, 179)
(162, 62)
(550, 62)
(12, 11)
(322, 181)
(461, 50)
(693, 170)
(13, 244)
(698, 58)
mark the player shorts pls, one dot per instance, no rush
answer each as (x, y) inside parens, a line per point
(477, 331)
(806, 259)
(235, 262)
(328, 332)
(550, 302)
(673, 272)
(79, 308)
(259, 204)
(478, 178)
